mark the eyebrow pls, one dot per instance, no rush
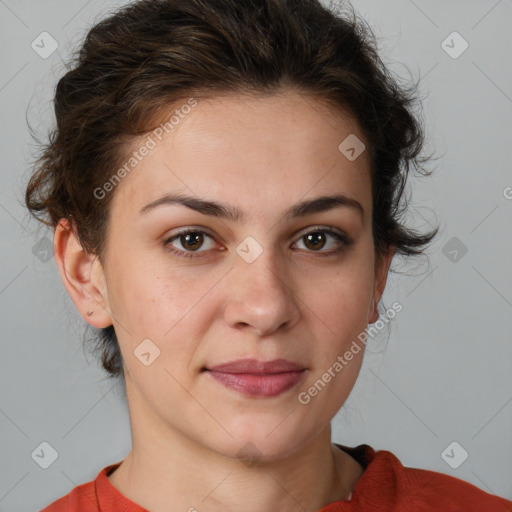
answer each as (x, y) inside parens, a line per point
(226, 211)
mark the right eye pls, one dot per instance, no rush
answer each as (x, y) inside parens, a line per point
(190, 240)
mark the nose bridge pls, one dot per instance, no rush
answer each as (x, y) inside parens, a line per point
(260, 292)
(267, 271)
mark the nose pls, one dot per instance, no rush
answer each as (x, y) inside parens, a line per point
(261, 296)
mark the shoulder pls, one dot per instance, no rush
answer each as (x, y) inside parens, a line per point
(422, 490)
(386, 484)
(83, 498)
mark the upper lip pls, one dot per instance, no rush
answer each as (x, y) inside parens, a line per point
(256, 366)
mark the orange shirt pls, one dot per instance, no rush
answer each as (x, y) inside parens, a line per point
(385, 486)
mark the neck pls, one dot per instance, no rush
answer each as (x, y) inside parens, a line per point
(165, 467)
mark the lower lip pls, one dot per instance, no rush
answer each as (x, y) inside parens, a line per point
(258, 384)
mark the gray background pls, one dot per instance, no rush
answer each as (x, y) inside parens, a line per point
(444, 375)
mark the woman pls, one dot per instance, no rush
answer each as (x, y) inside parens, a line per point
(226, 187)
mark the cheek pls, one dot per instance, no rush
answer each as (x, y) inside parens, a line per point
(142, 300)
(343, 319)
(169, 305)
(339, 316)
(341, 298)
(338, 309)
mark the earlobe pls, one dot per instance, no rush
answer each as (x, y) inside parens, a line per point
(382, 265)
(82, 276)
(373, 316)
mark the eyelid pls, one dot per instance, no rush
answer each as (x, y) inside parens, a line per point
(191, 229)
(323, 227)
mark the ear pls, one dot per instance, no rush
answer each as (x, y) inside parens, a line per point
(382, 264)
(82, 275)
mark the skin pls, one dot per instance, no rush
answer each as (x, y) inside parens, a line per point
(261, 155)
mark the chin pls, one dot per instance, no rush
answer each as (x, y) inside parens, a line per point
(263, 441)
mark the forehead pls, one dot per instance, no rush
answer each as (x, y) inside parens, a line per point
(253, 151)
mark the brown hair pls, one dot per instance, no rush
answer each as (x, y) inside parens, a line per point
(155, 53)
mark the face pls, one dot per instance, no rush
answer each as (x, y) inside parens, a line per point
(269, 272)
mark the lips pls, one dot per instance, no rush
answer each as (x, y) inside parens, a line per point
(255, 366)
(258, 378)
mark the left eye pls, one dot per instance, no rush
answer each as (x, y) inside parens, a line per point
(317, 240)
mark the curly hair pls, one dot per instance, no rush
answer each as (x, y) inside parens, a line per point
(152, 54)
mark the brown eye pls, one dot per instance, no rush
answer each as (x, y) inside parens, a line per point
(189, 242)
(192, 241)
(315, 240)
(320, 239)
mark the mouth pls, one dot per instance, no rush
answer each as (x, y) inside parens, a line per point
(258, 378)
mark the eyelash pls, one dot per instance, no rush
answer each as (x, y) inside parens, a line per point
(342, 239)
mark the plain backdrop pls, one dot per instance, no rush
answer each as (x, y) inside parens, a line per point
(442, 373)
